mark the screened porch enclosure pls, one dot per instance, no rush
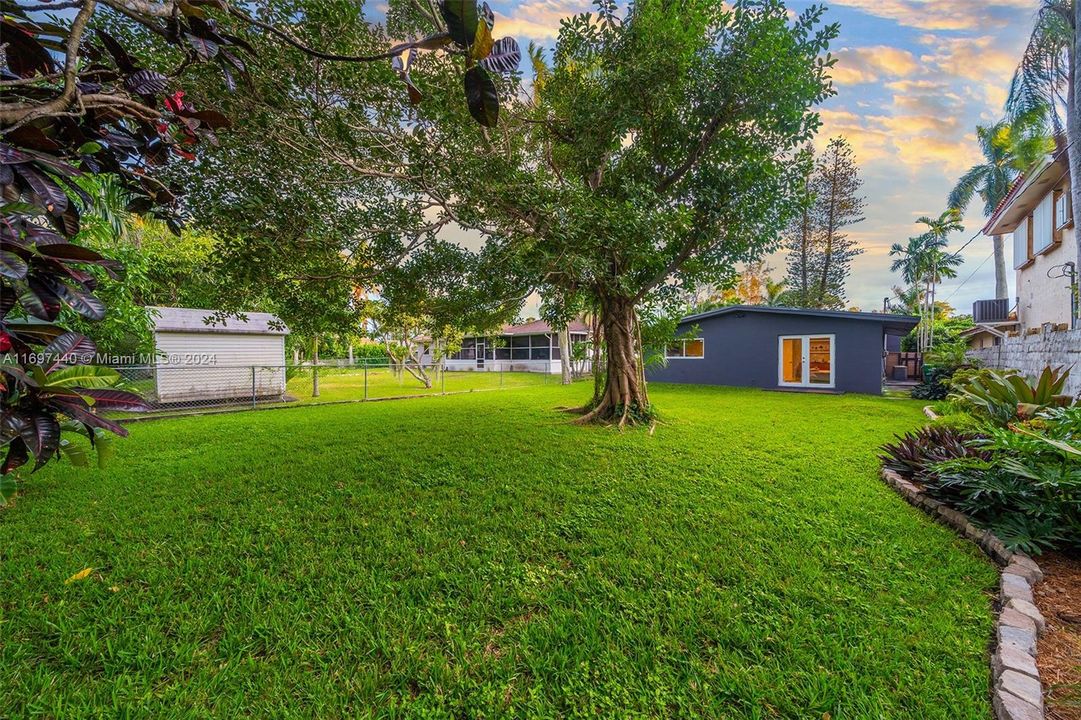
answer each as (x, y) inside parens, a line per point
(514, 350)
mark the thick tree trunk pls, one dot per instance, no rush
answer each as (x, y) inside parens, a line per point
(565, 355)
(1001, 288)
(623, 398)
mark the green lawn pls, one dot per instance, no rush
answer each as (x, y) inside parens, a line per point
(338, 384)
(476, 556)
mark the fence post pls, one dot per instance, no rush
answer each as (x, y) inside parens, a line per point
(365, 380)
(252, 387)
(443, 376)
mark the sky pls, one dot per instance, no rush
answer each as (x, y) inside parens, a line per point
(914, 78)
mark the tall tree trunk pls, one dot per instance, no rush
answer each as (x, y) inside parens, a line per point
(623, 398)
(350, 353)
(1073, 126)
(805, 247)
(315, 366)
(1001, 288)
(565, 355)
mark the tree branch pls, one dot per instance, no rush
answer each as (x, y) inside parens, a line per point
(693, 156)
(21, 113)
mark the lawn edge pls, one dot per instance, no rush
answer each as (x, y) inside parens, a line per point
(1016, 689)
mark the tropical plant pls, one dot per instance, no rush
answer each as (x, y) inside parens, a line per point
(916, 454)
(923, 263)
(1004, 397)
(1044, 81)
(1008, 148)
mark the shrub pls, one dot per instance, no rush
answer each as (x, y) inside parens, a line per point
(935, 385)
(1025, 489)
(959, 421)
(1003, 397)
(917, 454)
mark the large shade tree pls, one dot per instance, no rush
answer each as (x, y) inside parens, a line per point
(584, 187)
(595, 189)
(642, 193)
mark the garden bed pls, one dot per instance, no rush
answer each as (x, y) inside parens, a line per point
(1059, 599)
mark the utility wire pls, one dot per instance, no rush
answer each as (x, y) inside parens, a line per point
(971, 275)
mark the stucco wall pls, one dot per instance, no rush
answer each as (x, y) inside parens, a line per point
(1041, 299)
(741, 349)
(1032, 353)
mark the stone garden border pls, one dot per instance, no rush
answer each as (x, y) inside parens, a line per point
(1016, 691)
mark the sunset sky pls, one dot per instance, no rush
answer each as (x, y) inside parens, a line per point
(914, 79)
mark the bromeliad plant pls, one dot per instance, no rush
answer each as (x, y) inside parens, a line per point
(1004, 397)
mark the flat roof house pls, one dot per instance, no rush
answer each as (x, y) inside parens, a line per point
(783, 349)
(529, 347)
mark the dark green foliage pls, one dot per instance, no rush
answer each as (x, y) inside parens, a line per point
(1002, 397)
(1023, 481)
(936, 383)
(1027, 490)
(481, 96)
(916, 454)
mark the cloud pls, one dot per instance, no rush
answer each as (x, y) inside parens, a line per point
(946, 14)
(538, 19)
(869, 64)
(986, 62)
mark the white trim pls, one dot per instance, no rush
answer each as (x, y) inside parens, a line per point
(684, 345)
(805, 359)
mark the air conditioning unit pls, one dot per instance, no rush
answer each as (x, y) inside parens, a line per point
(989, 311)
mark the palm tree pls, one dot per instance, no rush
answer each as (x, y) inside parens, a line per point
(1008, 149)
(924, 261)
(1047, 70)
(990, 180)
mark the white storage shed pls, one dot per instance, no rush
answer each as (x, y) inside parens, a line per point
(203, 360)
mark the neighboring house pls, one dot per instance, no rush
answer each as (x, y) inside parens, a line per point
(1041, 328)
(783, 348)
(202, 361)
(530, 347)
(1036, 214)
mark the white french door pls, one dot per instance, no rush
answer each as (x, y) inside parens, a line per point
(806, 360)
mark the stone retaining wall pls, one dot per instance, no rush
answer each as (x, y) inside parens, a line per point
(1030, 354)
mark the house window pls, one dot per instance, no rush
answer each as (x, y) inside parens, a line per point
(1043, 226)
(806, 360)
(1020, 244)
(1063, 210)
(692, 349)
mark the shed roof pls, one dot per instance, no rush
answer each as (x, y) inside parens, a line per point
(192, 320)
(891, 323)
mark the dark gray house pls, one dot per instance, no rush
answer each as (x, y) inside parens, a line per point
(783, 348)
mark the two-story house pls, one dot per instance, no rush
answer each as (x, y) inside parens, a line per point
(1037, 215)
(1042, 327)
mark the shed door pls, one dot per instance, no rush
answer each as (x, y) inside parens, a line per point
(806, 361)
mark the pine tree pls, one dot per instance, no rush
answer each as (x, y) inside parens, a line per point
(836, 187)
(819, 253)
(800, 239)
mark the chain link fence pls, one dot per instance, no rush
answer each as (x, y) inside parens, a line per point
(171, 389)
